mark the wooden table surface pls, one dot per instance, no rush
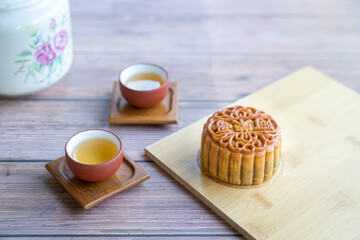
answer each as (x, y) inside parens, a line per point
(218, 52)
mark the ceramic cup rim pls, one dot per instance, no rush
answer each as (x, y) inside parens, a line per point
(99, 164)
(144, 91)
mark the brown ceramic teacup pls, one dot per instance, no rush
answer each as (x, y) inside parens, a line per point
(145, 97)
(93, 172)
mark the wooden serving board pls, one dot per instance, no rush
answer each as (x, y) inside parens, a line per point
(317, 195)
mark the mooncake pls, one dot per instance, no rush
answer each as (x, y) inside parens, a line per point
(241, 146)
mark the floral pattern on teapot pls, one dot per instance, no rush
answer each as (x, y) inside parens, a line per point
(44, 56)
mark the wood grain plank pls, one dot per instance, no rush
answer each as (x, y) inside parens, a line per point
(32, 202)
(38, 130)
(124, 236)
(27, 124)
(226, 7)
(200, 77)
(198, 26)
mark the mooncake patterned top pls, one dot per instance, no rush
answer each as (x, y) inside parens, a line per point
(244, 129)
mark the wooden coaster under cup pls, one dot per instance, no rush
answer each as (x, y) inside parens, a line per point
(89, 194)
(121, 112)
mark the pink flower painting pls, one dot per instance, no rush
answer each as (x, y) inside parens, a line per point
(44, 54)
(47, 53)
(53, 23)
(60, 40)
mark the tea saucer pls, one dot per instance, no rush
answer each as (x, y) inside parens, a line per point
(121, 112)
(89, 194)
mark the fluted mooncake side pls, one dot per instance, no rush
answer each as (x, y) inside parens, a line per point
(241, 146)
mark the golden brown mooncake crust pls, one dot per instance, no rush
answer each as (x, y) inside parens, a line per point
(241, 146)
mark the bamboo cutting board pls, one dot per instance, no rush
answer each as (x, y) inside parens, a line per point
(317, 194)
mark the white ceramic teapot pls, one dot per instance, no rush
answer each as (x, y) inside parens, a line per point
(35, 44)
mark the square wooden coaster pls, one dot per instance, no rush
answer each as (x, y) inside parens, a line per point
(317, 194)
(121, 112)
(89, 194)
